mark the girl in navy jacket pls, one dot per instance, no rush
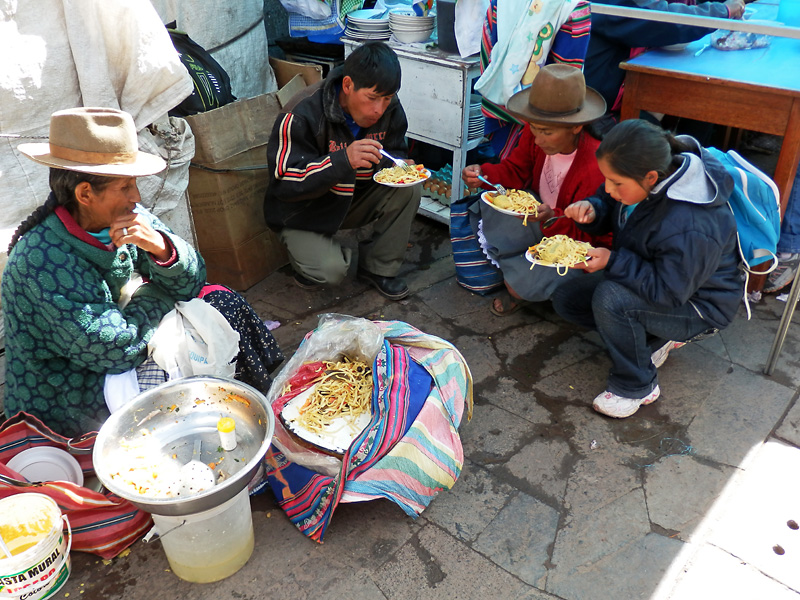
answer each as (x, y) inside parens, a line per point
(672, 273)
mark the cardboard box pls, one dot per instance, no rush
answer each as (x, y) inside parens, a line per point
(224, 132)
(241, 267)
(228, 201)
(285, 69)
(227, 182)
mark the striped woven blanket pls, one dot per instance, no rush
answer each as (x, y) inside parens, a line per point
(410, 450)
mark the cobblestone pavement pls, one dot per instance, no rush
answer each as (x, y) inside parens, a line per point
(694, 497)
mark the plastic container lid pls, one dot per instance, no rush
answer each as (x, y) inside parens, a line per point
(46, 464)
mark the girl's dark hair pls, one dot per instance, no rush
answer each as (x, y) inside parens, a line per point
(635, 147)
(374, 64)
(62, 184)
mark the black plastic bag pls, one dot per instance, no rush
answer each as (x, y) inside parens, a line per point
(212, 85)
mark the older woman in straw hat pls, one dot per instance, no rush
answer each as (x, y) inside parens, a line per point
(554, 159)
(72, 312)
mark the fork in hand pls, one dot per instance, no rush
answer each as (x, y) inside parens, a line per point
(400, 163)
(500, 189)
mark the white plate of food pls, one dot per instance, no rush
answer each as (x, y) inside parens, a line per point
(560, 252)
(332, 412)
(399, 177)
(517, 203)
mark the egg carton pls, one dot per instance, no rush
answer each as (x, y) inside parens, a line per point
(438, 189)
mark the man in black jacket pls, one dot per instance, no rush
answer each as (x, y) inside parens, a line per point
(322, 155)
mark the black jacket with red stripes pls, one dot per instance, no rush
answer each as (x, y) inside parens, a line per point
(311, 182)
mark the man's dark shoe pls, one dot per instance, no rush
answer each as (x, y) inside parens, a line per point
(393, 288)
(304, 283)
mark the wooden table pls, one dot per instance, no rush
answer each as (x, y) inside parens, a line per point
(757, 89)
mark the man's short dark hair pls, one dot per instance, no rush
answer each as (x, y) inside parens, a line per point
(374, 64)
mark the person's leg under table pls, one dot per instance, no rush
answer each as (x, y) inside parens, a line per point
(788, 244)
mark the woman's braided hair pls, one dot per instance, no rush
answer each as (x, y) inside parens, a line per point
(62, 184)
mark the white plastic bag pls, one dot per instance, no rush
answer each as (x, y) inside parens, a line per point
(195, 339)
(313, 9)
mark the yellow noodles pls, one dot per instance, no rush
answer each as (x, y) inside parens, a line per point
(560, 251)
(344, 391)
(517, 201)
(399, 175)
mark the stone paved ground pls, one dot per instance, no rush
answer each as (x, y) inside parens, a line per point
(688, 499)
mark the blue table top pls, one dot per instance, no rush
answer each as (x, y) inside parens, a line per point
(777, 65)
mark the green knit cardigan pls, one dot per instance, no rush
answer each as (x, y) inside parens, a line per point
(64, 329)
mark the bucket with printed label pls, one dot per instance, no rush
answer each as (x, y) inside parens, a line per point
(34, 551)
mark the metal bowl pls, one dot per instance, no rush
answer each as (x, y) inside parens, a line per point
(155, 434)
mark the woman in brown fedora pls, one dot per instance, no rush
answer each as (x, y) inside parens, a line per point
(554, 159)
(91, 273)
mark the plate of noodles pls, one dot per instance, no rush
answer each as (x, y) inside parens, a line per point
(399, 177)
(518, 203)
(559, 251)
(332, 412)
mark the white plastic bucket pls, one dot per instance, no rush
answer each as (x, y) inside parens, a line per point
(32, 528)
(209, 545)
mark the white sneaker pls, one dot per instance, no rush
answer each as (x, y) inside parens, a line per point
(659, 357)
(618, 407)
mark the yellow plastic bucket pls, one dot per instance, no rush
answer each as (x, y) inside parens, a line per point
(32, 531)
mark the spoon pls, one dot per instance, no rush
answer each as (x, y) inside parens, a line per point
(703, 49)
(551, 220)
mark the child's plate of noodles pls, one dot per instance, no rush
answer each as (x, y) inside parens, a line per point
(399, 177)
(560, 252)
(518, 203)
(337, 434)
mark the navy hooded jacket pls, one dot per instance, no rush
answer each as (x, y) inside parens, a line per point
(679, 244)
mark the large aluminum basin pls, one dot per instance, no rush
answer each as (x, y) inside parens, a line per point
(155, 434)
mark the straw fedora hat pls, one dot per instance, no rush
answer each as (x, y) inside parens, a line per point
(559, 96)
(100, 141)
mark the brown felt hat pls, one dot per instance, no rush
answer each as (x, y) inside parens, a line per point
(558, 95)
(101, 141)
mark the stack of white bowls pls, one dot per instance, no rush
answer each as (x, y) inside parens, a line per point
(407, 27)
(476, 121)
(367, 24)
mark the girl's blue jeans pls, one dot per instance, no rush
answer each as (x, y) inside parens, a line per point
(624, 321)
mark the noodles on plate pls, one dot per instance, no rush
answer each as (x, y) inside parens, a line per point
(560, 251)
(345, 390)
(517, 201)
(399, 175)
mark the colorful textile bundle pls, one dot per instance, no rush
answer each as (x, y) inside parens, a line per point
(409, 451)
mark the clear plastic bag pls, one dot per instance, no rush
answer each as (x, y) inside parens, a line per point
(724, 39)
(336, 336)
